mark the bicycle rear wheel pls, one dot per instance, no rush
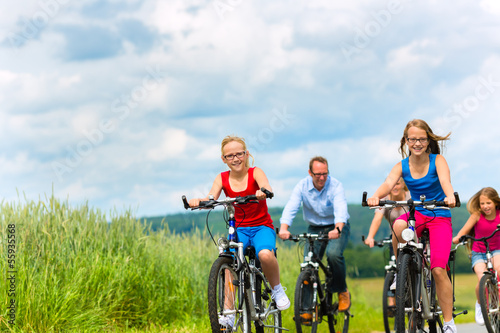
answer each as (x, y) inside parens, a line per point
(406, 315)
(265, 304)
(306, 307)
(223, 298)
(488, 298)
(388, 301)
(338, 322)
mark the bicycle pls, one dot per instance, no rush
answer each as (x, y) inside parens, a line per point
(416, 299)
(488, 287)
(236, 285)
(313, 301)
(388, 310)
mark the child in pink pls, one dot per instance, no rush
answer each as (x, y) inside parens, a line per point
(484, 208)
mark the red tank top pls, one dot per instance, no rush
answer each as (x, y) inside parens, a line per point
(251, 214)
(484, 228)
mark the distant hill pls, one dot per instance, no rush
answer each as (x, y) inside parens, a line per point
(361, 260)
(360, 220)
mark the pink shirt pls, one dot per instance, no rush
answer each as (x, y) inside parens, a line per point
(484, 228)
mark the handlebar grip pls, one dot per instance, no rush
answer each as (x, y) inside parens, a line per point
(204, 204)
(462, 239)
(184, 200)
(363, 238)
(363, 201)
(268, 193)
(457, 200)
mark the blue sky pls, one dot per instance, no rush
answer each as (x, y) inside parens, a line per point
(123, 104)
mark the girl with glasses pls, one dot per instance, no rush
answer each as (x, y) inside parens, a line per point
(426, 172)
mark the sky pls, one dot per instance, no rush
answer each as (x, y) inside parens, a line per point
(122, 104)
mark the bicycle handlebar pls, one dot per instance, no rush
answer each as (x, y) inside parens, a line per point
(482, 239)
(380, 243)
(238, 200)
(426, 204)
(308, 236)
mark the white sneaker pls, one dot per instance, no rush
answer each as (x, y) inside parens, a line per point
(279, 295)
(227, 321)
(479, 315)
(450, 327)
(393, 284)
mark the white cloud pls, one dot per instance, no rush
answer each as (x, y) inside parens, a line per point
(172, 144)
(218, 77)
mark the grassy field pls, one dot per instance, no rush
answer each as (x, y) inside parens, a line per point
(76, 269)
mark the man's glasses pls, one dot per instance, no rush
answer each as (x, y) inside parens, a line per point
(232, 156)
(319, 175)
(413, 140)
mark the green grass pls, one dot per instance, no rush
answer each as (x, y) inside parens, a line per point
(81, 270)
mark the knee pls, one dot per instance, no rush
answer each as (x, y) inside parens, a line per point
(266, 255)
(334, 256)
(439, 273)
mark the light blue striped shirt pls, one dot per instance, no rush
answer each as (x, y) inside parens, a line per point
(320, 208)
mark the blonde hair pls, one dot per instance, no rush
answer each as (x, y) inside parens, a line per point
(434, 144)
(473, 205)
(231, 138)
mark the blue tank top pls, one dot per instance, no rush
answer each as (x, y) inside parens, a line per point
(428, 185)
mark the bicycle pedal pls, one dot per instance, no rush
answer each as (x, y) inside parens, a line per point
(306, 319)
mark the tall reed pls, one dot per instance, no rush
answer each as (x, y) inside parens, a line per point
(78, 269)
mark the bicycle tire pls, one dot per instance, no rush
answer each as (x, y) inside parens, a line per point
(388, 311)
(406, 315)
(306, 316)
(272, 323)
(438, 321)
(338, 321)
(222, 291)
(488, 299)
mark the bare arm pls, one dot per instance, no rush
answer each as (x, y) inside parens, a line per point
(387, 185)
(471, 222)
(215, 191)
(377, 220)
(443, 172)
(261, 179)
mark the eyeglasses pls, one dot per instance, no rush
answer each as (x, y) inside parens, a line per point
(232, 156)
(319, 175)
(413, 140)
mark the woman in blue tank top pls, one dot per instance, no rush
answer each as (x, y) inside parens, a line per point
(426, 172)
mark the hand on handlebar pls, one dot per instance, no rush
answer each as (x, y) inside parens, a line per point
(373, 201)
(194, 202)
(260, 195)
(334, 234)
(370, 241)
(450, 201)
(456, 240)
(284, 234)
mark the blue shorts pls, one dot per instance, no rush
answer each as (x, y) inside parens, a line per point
(261, 237)
(477, 257)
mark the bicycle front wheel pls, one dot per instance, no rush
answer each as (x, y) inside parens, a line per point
(270, 316)
(306, 305)
(388, 303)
(406, 315)
(488, 298)
(225, 309)
(338, 321)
